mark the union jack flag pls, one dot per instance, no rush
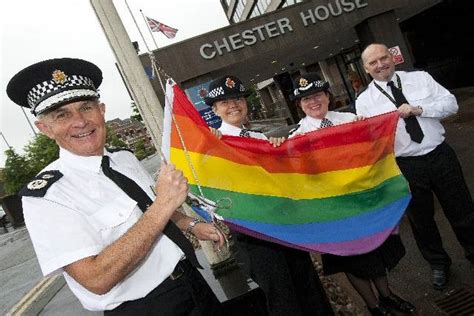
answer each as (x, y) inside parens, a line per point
(156, 26)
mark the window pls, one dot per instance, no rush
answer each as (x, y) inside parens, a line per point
(263, 5)
(239, 10)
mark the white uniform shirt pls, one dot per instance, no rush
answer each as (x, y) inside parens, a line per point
(84, 212)
(420, 89)
(308, 124)
(227, 129)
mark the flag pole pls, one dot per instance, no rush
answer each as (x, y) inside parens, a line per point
(138, 28)
(149, 29)
(152, 55)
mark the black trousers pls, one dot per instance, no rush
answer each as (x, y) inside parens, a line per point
(286, 276)
(438, 172)
(187, 295)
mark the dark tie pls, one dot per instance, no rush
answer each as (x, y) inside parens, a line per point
(244, 133)
(134, 191)
(412, 125)
(326, 123)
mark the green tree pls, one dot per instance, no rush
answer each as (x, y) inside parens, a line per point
(20, 169)
(135, 113)
(140, 150)
(41, 151)
(17, 172)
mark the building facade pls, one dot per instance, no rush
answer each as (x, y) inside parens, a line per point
(270, 42)
(131, 132)
(241, 10)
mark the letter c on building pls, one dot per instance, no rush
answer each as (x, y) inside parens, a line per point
(203, 53)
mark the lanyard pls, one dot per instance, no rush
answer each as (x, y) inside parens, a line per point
(399, 83)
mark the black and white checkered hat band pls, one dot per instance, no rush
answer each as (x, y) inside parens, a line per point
(220, 91)
(215, 92)
(314, 84)
(46, 88)
(64, 96)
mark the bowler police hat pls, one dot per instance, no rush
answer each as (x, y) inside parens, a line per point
(226, 87)
(51, 83)
(308, 84)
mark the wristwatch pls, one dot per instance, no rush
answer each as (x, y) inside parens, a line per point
(192, 224)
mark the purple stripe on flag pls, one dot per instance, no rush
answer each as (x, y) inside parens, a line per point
(344, 248)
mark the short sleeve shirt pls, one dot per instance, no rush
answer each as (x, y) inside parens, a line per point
(83, 213)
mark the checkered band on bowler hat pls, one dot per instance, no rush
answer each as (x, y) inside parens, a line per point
(223, 88)
(308, 84)
(51, 83)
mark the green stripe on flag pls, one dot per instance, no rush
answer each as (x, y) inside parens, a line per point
(276, 210)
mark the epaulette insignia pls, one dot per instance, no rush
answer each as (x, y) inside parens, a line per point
(116, 149)
(293, 130)
(40, 185)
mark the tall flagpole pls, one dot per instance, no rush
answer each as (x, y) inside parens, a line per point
(138, 28)
(152, 55)
(149, 29)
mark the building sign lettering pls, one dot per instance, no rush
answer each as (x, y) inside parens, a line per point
(278, 28)
(246, 38)
(323, 12)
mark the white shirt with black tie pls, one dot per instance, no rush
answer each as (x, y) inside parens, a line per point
(420, 89)
(309, 124)
(227, 129)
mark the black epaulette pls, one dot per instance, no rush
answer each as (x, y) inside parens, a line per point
(39, 185)
(116, 149)
(294, 130)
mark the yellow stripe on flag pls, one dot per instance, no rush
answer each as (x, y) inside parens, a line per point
(217, 173)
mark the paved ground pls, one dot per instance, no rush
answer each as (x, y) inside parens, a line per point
(411, 278)
(19, 269)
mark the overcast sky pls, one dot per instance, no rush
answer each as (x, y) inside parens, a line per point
(37, 30)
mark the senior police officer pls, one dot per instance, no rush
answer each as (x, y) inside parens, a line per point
(85, 212)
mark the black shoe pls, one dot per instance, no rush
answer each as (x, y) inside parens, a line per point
(440, 278)
(398, 303)
(380, 310)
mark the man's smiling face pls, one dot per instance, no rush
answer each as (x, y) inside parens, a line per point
(78, 127)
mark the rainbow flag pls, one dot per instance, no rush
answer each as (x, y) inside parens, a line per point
(337, 190)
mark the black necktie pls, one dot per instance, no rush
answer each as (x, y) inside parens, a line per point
(326, 123)
(134, 191)
(244, 133)
(412, 125)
